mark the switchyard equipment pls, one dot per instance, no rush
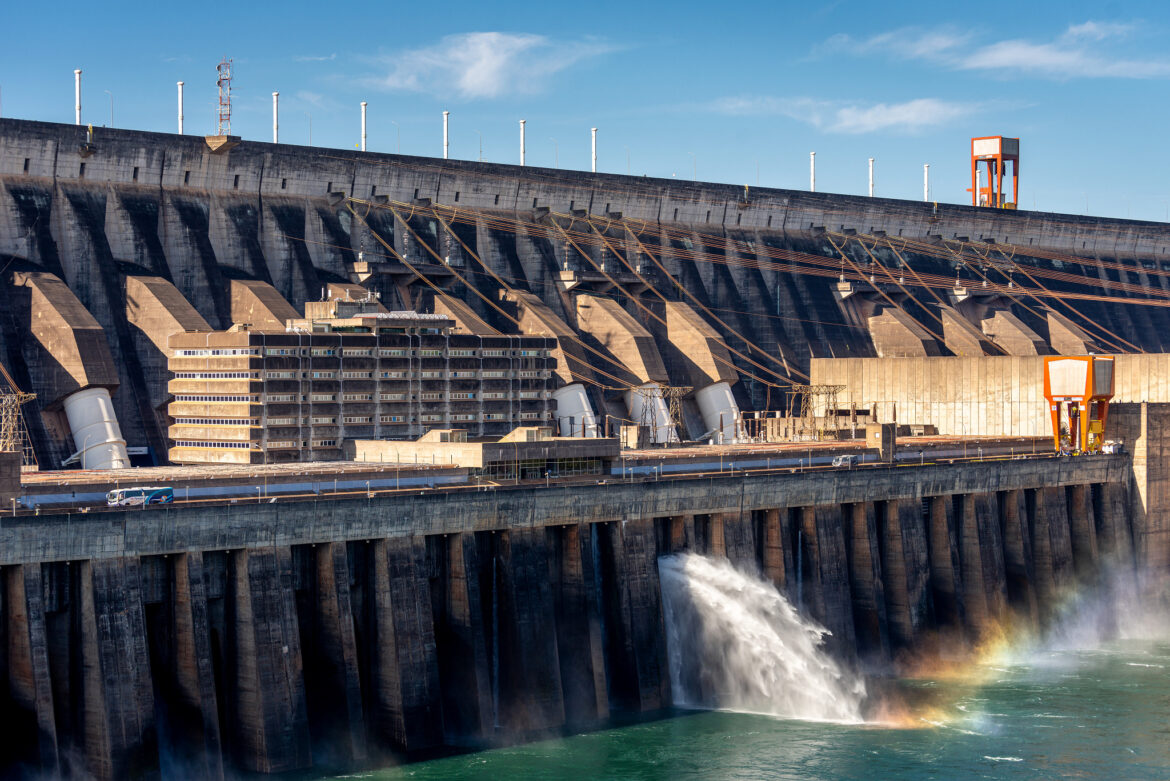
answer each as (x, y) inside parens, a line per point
(993, 153)
(13, 435)
(1079, 387)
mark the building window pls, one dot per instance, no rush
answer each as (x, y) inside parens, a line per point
(187, 397)
(216, 445)
(357, 419)
(391, 418)
(282, 421)
(323, 351)
(275, 397)
(357, 397)
(393, 397)
(357, 375)
(324, 443)
(354, 351)
(324, 375)
(323, 397)
(322, 420)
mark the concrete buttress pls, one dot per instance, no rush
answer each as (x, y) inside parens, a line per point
(1018, 562)
(826, 575)
(981, 554)
(332, 684)
(906, 571)
(269, 732)
(193, 674)
(468, 715)
(582, 655)
(530, 674)
(865, 582)
(407, 706)
(29, 686)
(118, 722)
(946, 578)
(635, 631)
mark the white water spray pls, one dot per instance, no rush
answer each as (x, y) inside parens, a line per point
(735, 643)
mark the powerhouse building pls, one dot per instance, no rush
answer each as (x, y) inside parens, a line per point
(348, 370)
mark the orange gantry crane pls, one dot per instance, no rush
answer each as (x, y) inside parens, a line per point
(1078, 388)
(992, 154)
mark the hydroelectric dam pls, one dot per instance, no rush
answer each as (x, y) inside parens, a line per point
(161, 294)
(281, 636)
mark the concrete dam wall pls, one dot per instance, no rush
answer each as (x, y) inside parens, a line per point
(273, 637)
(111, 243)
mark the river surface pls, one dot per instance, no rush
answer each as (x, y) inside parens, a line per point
(1083, 714)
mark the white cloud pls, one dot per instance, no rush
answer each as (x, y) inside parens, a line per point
(487, 64)
(1081, 51)
(1098, 31)
(850, 117)
(316, 58)
(910, 115)
(905, 43)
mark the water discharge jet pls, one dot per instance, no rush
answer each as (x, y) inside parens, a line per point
(735, 643)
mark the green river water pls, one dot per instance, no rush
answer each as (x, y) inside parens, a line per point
(1060, 714)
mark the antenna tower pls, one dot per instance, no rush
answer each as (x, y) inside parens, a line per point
(224, 82)
(674, 396)
(13, 434)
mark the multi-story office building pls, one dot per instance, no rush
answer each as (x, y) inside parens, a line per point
(348, 370)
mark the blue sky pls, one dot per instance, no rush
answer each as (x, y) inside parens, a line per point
(737, 93)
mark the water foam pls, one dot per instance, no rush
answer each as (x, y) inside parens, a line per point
(735, 643)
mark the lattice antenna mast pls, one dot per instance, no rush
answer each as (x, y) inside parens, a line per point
(674, 396)
(13, 436)
(224, 82)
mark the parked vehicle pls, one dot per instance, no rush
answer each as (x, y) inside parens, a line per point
(139, 495)
(848, 461)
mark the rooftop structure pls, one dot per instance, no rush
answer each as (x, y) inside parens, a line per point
(526, 453)
(351, 370)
